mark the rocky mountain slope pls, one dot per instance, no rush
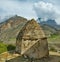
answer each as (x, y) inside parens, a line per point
(49, 30)
(50, 22)
(12, 26)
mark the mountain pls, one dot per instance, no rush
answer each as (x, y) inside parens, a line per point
(49, 30)
(11, 22)
(10, 28)
(50, 22)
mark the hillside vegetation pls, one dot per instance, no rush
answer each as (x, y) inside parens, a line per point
(5, 47)
(54, 38)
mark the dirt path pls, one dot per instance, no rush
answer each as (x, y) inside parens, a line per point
(54, 53)
(7, 56)
(55, 57)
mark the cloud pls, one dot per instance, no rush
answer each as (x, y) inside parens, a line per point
(46, 10)
(26, 9)
(13, 7)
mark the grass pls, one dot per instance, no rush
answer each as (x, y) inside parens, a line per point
(54, 42)
(4, 47)
(53, 49)
(54, 37)
(12, 39)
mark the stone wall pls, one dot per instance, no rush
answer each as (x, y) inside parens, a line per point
(38, 50)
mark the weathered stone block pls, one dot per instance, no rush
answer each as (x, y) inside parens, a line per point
(31, 41)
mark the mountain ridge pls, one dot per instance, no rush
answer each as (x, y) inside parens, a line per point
(49, 22)
(10, 28)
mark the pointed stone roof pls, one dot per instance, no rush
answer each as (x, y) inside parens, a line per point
(31, 30)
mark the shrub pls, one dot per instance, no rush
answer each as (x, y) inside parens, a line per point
(3, 48)
(53, 49)
(10, 47)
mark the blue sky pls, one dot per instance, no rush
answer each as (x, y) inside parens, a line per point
(31, 9)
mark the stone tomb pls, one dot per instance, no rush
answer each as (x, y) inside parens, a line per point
(31, 41)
